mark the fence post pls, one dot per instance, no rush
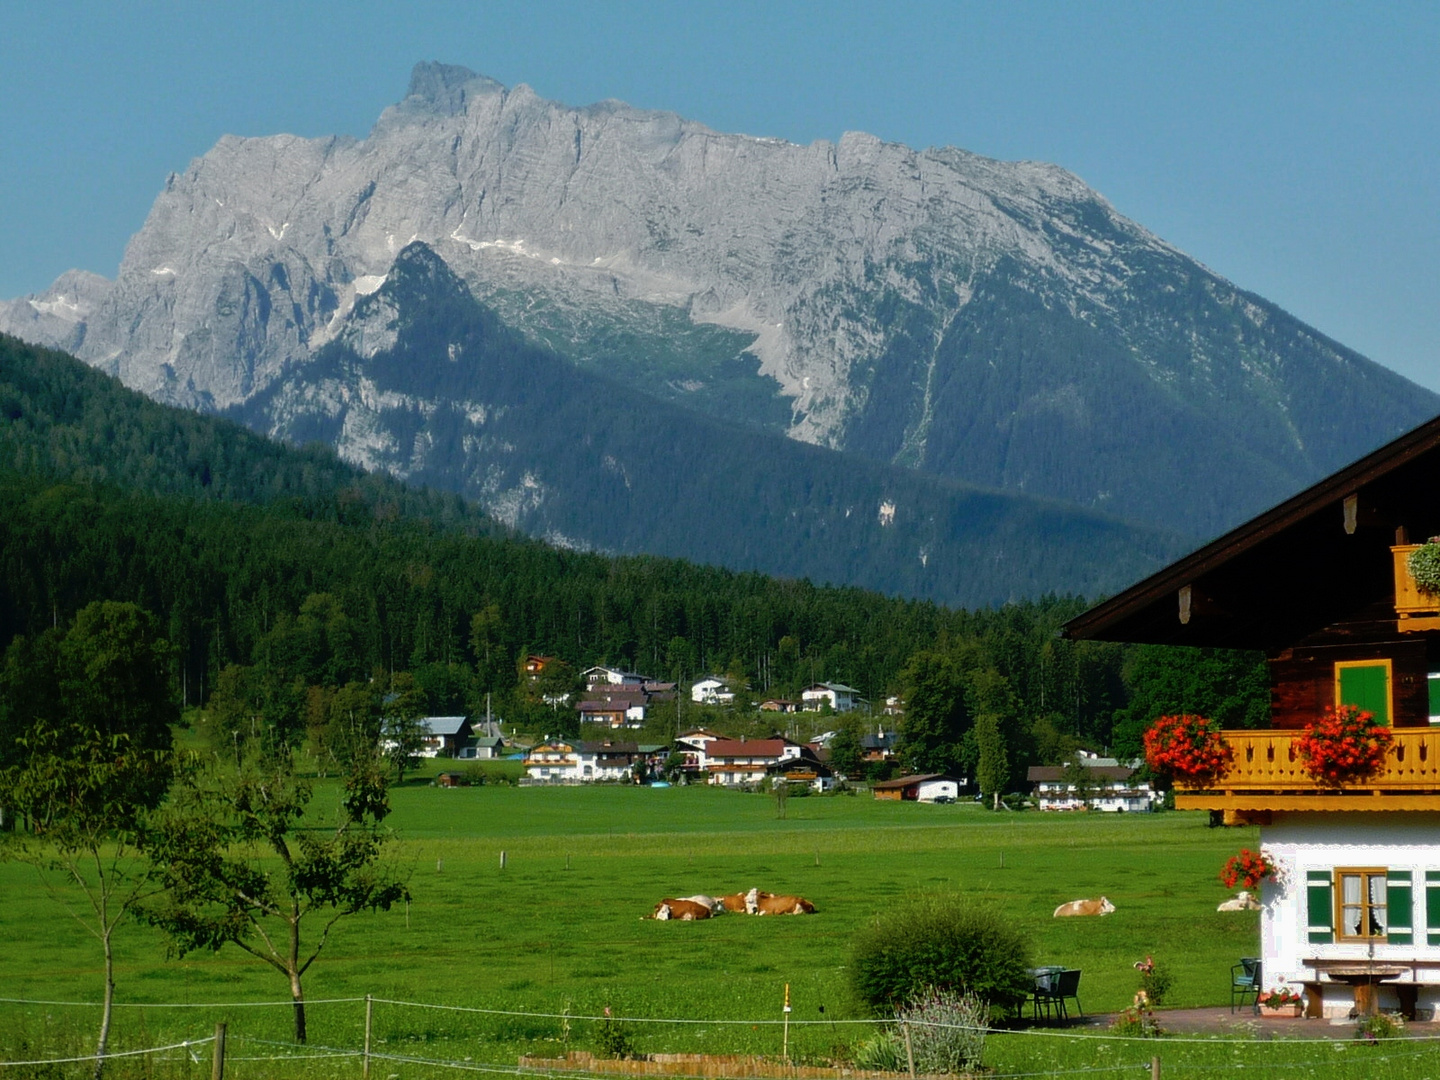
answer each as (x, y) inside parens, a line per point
(502, 860)
(909, 1050)
(1155, 1067)
(217, 1053)
(369, 1003)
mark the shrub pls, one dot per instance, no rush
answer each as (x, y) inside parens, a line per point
(612, 1039)
(884, 1053)
(943, 943)
(1136, 1022)
(1155, 981)
(1380, 1026)
(947, 1031)
(1424, 564)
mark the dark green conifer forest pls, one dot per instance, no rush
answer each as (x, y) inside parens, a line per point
(297, 594)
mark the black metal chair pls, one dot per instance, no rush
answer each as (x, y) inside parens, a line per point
(1052, 990)
(1245, 982)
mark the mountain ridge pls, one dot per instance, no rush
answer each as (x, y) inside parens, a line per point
(996, 323)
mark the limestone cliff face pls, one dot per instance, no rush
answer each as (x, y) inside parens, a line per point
(990, 321)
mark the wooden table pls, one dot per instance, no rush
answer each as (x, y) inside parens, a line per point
(1364, 979)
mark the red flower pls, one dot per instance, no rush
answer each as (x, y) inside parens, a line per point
(1249, 868)
(1189, 748)
(1343, 746)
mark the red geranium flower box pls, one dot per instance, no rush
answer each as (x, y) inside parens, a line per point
(1344, 746)
(1188, 748)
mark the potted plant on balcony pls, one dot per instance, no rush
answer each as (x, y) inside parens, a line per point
(1188, 748)
(1424, 566)
(1282, 1001)
(1345, 746)
(1248, 869)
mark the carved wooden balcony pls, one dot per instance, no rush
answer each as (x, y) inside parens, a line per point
(1267, 774)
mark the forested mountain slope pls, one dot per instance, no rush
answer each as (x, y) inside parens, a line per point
(424, 382)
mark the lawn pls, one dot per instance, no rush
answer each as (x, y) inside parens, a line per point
(561, 928)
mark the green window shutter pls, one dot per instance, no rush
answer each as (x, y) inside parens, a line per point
(1432, 907)
(1320, 907)
(1367, 687)
(1399, 908)
(1434, 681)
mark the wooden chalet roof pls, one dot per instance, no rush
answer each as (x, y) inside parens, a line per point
(747, 748)
(1307, 564)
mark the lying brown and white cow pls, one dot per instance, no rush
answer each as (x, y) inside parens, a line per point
(1085, 907)
(685, 910)
(783, 905)
(715, 906)
(735, 902)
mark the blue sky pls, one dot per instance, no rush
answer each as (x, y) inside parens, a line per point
(1293, 148)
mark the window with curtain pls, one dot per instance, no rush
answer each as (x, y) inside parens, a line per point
(1361, 904)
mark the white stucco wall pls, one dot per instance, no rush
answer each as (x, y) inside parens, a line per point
(1302, 842)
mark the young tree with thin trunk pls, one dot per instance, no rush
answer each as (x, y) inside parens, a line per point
(239, 869)
(87, 797)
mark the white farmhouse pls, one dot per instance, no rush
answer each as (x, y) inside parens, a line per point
(711, 690)
(838, 696)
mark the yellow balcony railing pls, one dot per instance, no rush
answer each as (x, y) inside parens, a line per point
(1267, 773)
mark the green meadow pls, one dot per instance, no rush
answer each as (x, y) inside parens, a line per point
(560, 933)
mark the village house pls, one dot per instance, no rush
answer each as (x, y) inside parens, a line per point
(585, 762)
(1321, 584)
(711, 690)
(535, 665)
(878, 747)
(742, 762)
(780, 705)
(838, 696)
(927, 787)
(612, 677)
(1093, 783)
(483, 748)
(443, 735)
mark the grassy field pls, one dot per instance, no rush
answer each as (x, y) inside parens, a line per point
(560, 930)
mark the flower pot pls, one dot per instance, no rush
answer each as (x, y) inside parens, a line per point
(1292, 1009)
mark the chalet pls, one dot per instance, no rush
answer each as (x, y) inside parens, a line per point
(1321, 585)
(585, 762)
(803, 770)
(928, 787)
(878, 747)
(838, 696)
(1093, 783)
(690, 745)
(739, 762)
(443, 735)
(780, 705)
(535, 665)
(612, 677)
(711, 690)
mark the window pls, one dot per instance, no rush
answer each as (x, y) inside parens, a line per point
(1360, 904)
(1366, 685)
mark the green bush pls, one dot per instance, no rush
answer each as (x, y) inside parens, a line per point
(947, 1031)
(883, 1053)
(944, 943)
(612, 1039)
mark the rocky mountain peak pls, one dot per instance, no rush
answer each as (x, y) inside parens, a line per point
(990, 321)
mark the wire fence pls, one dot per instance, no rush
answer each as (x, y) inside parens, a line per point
(1297, 1056)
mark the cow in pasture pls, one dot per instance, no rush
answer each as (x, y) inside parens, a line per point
(715, 906)
(1242, 901)
(784, 905)
(684, 910)
(753, 898)
(1085, 907)
(735, 902)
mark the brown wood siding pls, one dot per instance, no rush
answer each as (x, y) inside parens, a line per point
(1302, 683)
(888, 793)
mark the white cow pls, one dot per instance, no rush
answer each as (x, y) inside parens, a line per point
(1085, 907)
(1242, 901)
(716, 906)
